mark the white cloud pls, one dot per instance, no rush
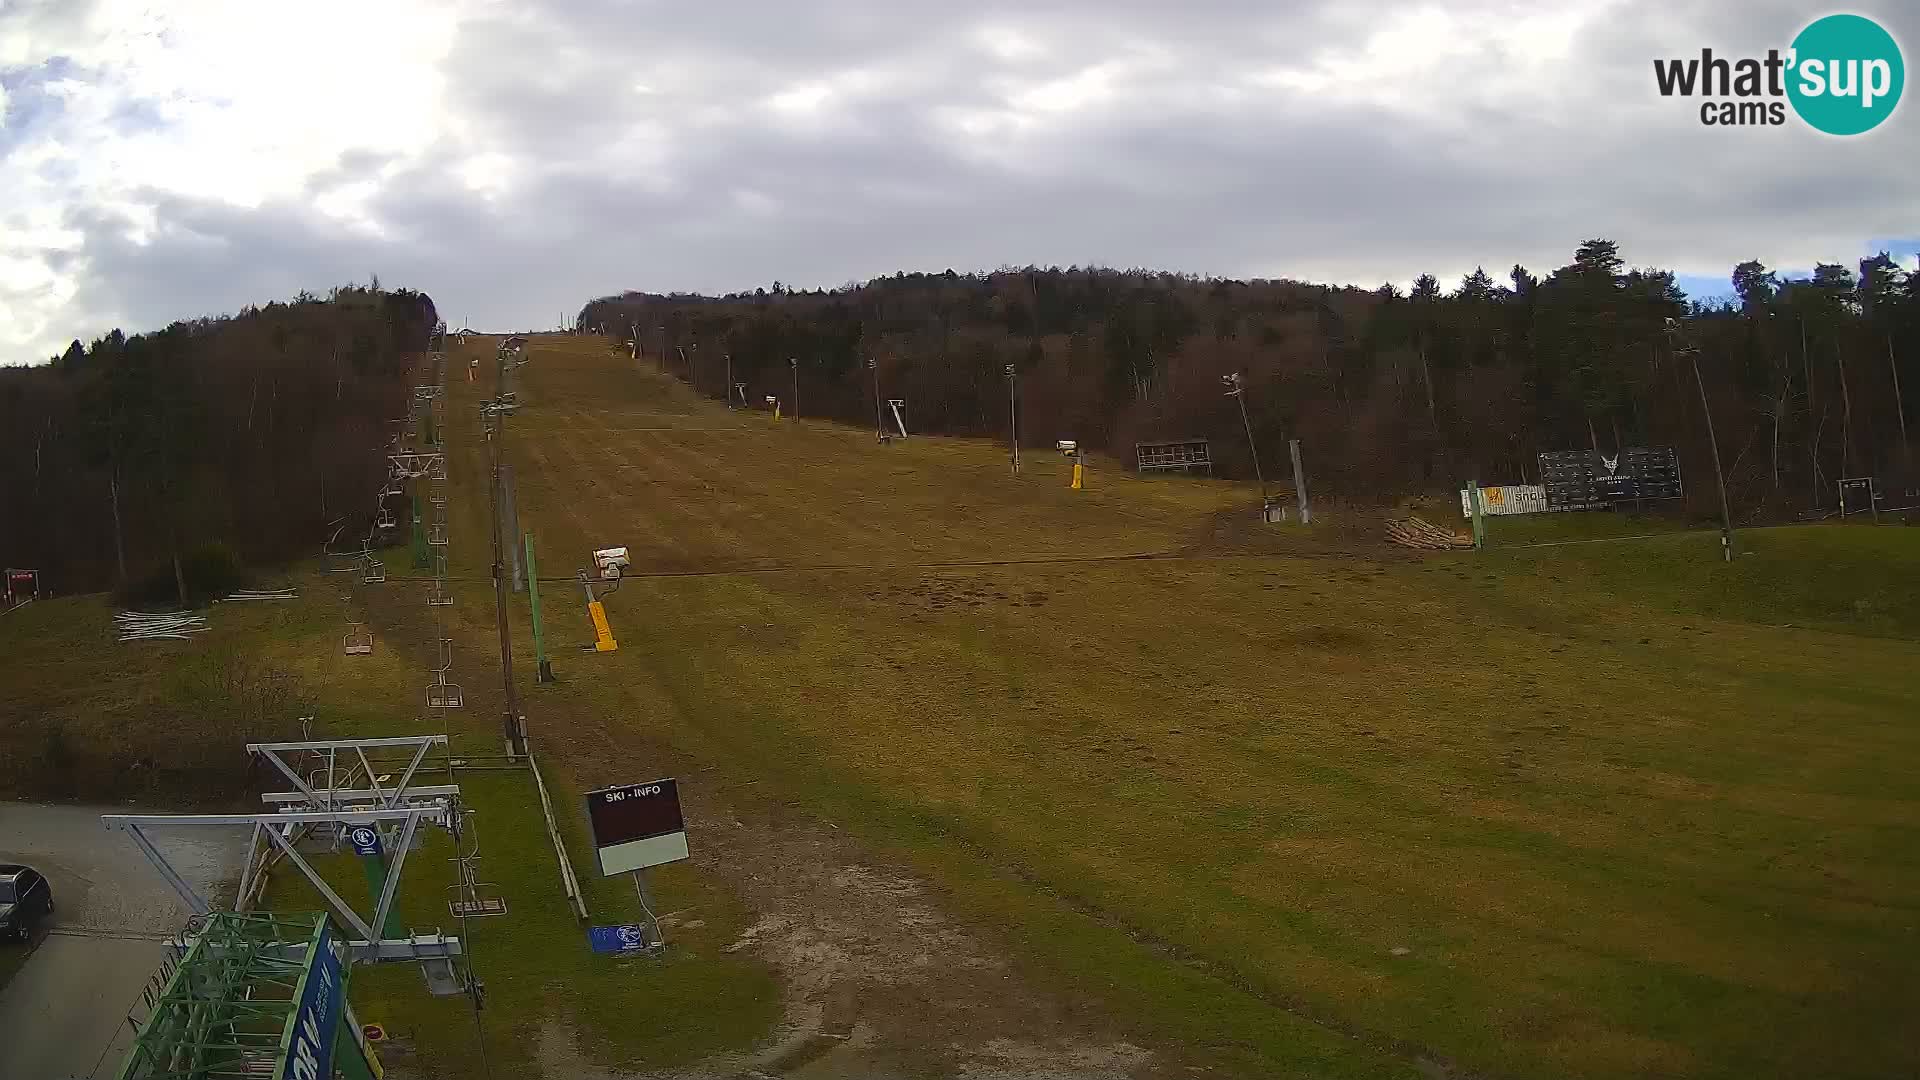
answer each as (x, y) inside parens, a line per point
(239, 103)
(516, 157)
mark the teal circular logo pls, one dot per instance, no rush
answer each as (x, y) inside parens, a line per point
(1846, 74)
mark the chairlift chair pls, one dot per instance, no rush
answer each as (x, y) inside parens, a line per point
(383, 519)
(372, 570)
(437, 594)
(437, 533)
(442, 694)
(358, 641)
(468, 900)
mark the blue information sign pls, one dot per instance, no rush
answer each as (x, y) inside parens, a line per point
(629, 937)
(365, 839)
(310, 1049)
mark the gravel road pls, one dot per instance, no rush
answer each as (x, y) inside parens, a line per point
(63, 1014)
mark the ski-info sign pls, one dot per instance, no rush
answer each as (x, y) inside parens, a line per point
(636, 826)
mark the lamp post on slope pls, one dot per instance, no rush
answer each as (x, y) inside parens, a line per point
(1692, 353)
(1237, 390)
(1013, 417)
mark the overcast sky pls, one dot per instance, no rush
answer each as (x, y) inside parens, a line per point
(515, 158)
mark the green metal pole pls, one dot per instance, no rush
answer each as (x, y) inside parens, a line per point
(543, 672)
(419, 540)
(376, 868)
(349, 1057)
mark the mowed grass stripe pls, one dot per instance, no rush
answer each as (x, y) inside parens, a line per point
(1616, 838)
(609, 514)
(1550, 888)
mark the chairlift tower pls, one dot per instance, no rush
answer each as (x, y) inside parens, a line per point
(512, 722)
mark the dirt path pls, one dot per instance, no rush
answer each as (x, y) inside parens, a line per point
(879, 981)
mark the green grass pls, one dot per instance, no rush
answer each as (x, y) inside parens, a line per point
(541, 979)
(1621, 821)
(1852, 578)
(164, 723)
(1287, 803)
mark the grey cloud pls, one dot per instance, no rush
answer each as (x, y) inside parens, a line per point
(698, 185)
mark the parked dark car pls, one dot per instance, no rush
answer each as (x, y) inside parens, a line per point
(24, 897)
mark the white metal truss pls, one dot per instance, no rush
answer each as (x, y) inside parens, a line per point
(278, 830)
(408, 465)
(338, 771)
(342, 765)
(336, 786)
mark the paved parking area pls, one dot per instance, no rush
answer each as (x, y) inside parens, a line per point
(63, 1015)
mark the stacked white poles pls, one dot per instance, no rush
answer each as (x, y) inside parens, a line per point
(172, 625)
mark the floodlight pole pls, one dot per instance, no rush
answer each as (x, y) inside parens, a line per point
(793, 363)
(1013, 417)
(879, 434)
(1713, 442)
(1236, 389)
(727, 390)
(1692, 353)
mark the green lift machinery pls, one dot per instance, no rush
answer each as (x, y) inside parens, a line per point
(254, 995)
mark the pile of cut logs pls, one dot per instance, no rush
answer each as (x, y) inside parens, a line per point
(1415, 532)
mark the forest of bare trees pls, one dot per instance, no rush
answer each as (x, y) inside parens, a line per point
(249, 432)
(255, 431)
(1390, 392)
